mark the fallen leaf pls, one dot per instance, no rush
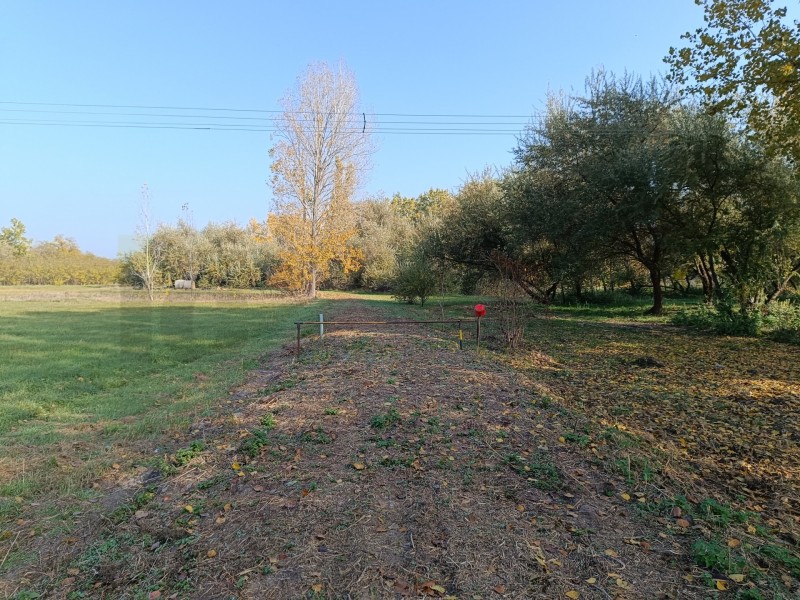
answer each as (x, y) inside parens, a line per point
(737, 577)
(734, 543)
(219, 520)
(227, 507)
(317, 588)
(591, 580)
(154, 595)
(612, 553)
(682, 523)
(751, 529)
(73, 572)
(236, 466)
(188, 508)
(359, 466)
(211, 553)
(500, 589)
(115, 466)
(621, 582)
(573, 594)
(721, 584)
(625, 496)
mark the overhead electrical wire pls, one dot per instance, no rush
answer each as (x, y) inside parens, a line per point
(256, 110)
(133, 116)
(439, 124)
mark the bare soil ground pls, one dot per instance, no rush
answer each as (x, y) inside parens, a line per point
(383, 463)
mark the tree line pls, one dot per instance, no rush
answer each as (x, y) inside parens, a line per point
(633, 184)
(56, 262)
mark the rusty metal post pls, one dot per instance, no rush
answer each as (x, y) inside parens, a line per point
(478, 334)
(297, 353)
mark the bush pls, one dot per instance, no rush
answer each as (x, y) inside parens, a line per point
(779, 321)
(782, 322)
(415, 280)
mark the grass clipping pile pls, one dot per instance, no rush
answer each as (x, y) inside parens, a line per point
(380, 464)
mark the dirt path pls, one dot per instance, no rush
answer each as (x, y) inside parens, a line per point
(381, 464)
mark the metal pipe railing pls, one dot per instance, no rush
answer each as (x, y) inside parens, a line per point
(299, 324)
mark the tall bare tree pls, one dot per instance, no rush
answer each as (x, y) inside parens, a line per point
(322, 152)
(147, 262)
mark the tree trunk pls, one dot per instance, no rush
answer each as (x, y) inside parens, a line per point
(705, 278)
(658, 292)
(312, 285)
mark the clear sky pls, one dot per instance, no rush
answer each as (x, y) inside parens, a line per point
(410, 57)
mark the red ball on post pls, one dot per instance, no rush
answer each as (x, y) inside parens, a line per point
(480, 310)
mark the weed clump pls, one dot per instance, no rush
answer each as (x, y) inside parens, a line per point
(390, 418)
(185, 455)
(251, 446)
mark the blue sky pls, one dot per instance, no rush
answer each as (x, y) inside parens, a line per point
(412, 57)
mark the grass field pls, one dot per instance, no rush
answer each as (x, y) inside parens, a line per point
(89, 374)
(690, 439)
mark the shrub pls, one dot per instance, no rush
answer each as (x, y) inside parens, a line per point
(779, 320)
(414, 280)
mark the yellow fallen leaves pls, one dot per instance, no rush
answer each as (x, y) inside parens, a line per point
(189, 508)
(317, 588)
(734, 543)
(591, 580)
(359, 466)
(625, 496)
(573, 594)
(721, 584)
(211, 553)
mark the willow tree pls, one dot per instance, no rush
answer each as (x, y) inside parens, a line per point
(323, 149)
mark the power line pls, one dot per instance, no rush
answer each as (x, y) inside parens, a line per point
(218, 127)
(356, 120)
(258, 110)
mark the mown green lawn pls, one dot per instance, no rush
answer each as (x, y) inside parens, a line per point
(83, 377)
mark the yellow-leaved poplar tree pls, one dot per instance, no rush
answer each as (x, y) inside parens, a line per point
(322, 151)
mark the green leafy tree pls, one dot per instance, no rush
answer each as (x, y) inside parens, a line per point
(610, 172)
(746, 62)
(13, 236)
(383, 235)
